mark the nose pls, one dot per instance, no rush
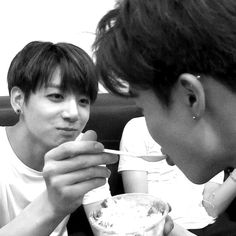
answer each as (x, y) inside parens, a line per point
(70, 110)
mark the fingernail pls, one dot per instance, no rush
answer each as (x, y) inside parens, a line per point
(98, 146)
(113, 158)
(108, 173)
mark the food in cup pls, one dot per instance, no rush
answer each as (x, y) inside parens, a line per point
(130, 214)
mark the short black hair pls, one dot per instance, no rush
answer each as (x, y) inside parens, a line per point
(34, 65)
(149, 43)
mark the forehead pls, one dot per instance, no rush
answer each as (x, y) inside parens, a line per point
(55, 78)
(45, 79)
(55, 81)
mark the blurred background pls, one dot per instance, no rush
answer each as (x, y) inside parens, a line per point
(23, 21)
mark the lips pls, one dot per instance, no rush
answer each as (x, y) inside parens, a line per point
(69, 129)
(168, 159)
(67, 133)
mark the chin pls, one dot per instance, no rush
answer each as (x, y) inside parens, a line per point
(56, 143)
(199, 178)
(64, 140)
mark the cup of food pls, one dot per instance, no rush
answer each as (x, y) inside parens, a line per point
(131, 214)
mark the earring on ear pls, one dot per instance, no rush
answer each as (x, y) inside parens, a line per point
(18, 111)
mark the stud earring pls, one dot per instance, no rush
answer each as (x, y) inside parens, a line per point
(18, 111)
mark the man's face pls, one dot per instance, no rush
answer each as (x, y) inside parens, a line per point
(181, 138)
(52, 117)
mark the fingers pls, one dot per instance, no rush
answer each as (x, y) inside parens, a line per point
(73, 148)
(80, 176)
(169, 225)
(74, 168)
(79, 162)
(89, 135)
(65, 199)
(79, 189)
(74, 155)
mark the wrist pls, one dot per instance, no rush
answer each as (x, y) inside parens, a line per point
(44, 207)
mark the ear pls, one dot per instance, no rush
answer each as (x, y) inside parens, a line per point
(194, 92)
(17, 99)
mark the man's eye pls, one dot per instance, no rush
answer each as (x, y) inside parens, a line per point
(56, 97)
(84, 101)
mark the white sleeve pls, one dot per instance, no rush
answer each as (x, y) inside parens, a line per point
(133, 140)
(97, 194)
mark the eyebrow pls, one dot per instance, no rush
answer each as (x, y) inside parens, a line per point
(50, 85)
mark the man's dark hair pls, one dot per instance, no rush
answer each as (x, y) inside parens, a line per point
(149, 43)
(34, 65)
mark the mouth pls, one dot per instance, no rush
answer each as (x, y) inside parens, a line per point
(168, 159)
(67, 129)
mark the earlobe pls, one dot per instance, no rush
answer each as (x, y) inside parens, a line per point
(17, 99)
(195, 94)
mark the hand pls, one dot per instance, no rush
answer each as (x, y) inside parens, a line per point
(173, 229)
(169, 225)
(72, 169)
(209, 188)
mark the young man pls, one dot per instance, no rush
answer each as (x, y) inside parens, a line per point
(164, 181)
(177, 58)
(45, 168)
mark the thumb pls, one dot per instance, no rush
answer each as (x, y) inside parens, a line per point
(169, 225)
(89, 135)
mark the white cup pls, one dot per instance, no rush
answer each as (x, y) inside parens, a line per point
(120, 214)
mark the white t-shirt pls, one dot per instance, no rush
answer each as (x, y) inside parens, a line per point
(164, 181)
(20, 185)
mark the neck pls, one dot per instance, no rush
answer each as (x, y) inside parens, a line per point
(28, 150)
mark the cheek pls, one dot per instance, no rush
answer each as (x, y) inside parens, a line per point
(157, 130)
(41, 117)
(84, 115)
(34, 115)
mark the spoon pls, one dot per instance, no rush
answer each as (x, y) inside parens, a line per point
(150, 158)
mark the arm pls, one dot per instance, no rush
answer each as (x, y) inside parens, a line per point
(135, 181)
(38, 219)
(217, 197)
(133, 170)
(71, 170)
